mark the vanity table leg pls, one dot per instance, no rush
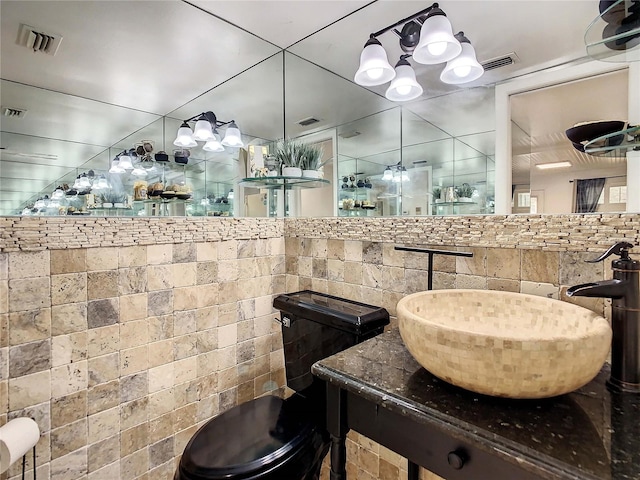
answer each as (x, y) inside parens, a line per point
(413, 471)
(338, 428)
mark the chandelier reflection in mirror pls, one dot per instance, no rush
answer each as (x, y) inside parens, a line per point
(395, 173)
(428, 38)
(206, 130)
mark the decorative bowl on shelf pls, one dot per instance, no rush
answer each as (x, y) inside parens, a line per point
(183, 196)
(168, 194)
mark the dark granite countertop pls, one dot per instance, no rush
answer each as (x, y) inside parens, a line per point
(588, 434)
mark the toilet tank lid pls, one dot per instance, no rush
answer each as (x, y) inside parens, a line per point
(344, 314)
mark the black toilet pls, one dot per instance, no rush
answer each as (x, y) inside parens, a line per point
(269, 438)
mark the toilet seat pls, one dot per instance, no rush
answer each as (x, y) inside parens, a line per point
(249, 441)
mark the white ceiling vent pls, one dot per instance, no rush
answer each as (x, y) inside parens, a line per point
(38, 40)
(305, 122)
(501, 61)
(349, 134)
(13, 112)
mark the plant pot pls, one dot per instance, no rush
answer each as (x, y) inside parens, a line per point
(107, 205)
(310, 173)
(272, 173)
(465, 199)
(118, 205)
(291, 172)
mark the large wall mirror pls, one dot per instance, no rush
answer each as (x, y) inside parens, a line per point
(290, 75)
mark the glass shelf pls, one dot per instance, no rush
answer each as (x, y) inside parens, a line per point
(437, 204)
(608, 144)
(286, 182)
(614, 36)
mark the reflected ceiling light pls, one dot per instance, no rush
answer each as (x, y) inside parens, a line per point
(125, 161)
(388, 174)
(404, 86)
(101, 184)
(230, 195)
(205, 130)
(426, 36)
(465, 67)
(139, 172)
(546, 166)
(115, 167)
(396, 173)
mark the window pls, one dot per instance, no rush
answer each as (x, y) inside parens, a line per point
(524, 199)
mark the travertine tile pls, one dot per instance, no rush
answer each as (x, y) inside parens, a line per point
(29, 358)
(160, 303)
(108, 472)
(101, 313)
(161, 377)
(134, 438)
(206, 252)
(160, 403)
(103, 397)
(353, 273)
(184, 298)
(185, 370)
(101, 259)
(159, 254)
(134, 256)
(207, 295)
(206, 272)
(68, 438)
(471, 281)
(29, 294)
(476, 265)
(335, 249)
(184, 322)
(161, 427)
(132, 280)
(68, 318)
(540, 266)
(135, 412)
(4, 296)
(28, 326)
(161, 452)
(503, 284)
(541, 289)
(160, 327)
(574, 268)
(184, 252)
(228, 250)
(103, 425)
(503, 263)
(372, 252)
(134, 333)
(184, 274)
(133, 307)
(391, 256)
(227, 335)
(134, 360)
(103, 369)
(134, 386)
(40, 413)
(73, 465)
(68, 348)
(68, 379)
(160, 353)
(160, 277)
(102, 284)
(102, 453)
(68, 261)
(231, 270)
(134, 465)
(29, 390)
(68, 288)
(29, 264)
(4, 266)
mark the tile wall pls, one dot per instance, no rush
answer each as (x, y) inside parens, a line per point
(120, 353)
(121, 336)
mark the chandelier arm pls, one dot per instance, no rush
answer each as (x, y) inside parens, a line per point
(404, 20)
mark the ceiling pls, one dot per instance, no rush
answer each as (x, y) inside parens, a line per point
(123, 65)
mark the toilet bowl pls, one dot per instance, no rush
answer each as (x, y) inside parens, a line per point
(270, 438)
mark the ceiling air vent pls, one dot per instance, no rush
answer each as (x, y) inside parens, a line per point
(499, 62)
(349, 134)
(305, 122)
(13, 112)
(38, 40)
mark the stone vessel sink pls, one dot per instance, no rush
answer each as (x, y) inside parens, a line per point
(504, 344)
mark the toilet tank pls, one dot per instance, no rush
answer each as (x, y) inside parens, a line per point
(316, 325)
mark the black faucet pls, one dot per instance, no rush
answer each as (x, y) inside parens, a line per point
(624, 290)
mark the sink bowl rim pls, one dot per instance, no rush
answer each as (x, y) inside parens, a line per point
(597, 324)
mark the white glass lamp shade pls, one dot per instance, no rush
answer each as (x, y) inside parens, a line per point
(115, 167)
(404, 87)
(464, 68)
(57, 194)
(388, 174)
(214, 144)
(184, 138)
(139, 172)
(437, 43)
(77, 184)
(232, 137)
(101, 184)
(39, 203)
(230, 195)
(404, 175)
(84, 182)
(202, 132)
(374, 66)
(125, 162)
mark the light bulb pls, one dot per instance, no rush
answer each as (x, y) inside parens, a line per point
(462, 71)
(375, 73)
(437, 48)
(403, 89)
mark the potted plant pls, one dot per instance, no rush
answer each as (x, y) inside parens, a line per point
(112, 199)
(288, 154)
(436, 194)
(310, 161)
(464, 192)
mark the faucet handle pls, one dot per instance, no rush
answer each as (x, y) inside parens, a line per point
(620, 248)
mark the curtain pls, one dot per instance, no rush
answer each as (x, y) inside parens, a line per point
(587, 194)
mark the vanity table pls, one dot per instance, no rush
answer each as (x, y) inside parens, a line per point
(377, 389)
